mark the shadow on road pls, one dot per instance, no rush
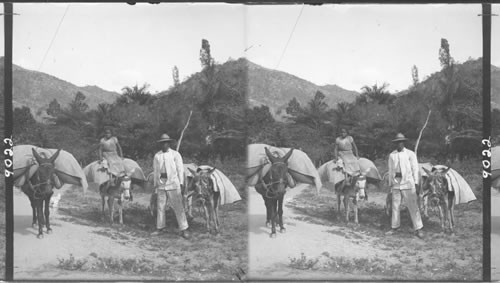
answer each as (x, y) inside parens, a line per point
(22, 225)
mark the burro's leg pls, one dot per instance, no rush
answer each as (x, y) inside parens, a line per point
(355, 206)
(280, 213)
(216, 208)
(274, 214)
(39, 211)
(47, 213)
(346, 207)
(111, 209)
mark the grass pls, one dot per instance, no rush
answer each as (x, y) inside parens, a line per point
(136, 266)
(362, 266)
(139, 266)
(170, 257)
(71, 263)
(303, 263)
(437, 257)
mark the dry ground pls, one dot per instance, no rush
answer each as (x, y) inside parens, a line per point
(320, 245)
(84, 246)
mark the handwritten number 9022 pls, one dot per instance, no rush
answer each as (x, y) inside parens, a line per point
(486, 153)
(8, 153)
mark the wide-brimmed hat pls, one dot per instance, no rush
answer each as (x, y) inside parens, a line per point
(399, 137)
(164, 138)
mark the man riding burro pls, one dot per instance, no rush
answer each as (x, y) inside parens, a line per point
(346, 154)
(111, 156)
(168, 170)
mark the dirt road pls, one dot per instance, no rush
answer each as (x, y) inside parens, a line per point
(84, 246)
(38, 258)
(269, 258)
(318, 244)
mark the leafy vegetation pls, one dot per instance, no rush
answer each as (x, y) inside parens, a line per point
(376, 115)
(71, 263)
(215, 95)
(303, 262)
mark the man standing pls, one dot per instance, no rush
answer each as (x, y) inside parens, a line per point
(403, 179)
(168, 180)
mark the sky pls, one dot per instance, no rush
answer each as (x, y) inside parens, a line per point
(117, 45)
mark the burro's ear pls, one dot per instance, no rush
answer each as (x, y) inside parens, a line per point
(271, 157)
(192, 171)
(211, 171)
(287, 155)
(54, 157)
(446, 170)
(427, 171)
(37, 156)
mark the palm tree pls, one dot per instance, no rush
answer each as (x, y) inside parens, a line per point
(137, 94)
(316, 112)
(341, 114)
(377, 93)
(102, 117)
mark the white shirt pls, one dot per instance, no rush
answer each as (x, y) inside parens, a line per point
(405, 162)
(169, 162)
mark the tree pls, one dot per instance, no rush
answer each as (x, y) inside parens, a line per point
(137, 94)
(175, 76)
(378, 94)
(205, 56)
(341, 114)
(449, 82)
(414, 75)
(211, 85)
(78, 103)
(102, 117)
(54, 108)
(318, 104)
(23, 117)
(74, 115)
(293, 107)
(444, 54)
(314, 115)
(258, 117)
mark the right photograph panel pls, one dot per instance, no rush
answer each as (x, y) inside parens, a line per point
(364, 155)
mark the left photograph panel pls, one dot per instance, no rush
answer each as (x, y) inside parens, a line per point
(129, 142)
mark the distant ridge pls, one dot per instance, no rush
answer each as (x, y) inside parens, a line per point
(276, 88)
(36, 89)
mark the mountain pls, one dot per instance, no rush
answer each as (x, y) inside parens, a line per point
(222, 99)
(276, 88)
(36, 89)
(456, 101)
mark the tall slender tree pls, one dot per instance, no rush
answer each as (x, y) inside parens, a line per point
(444, 54)
(175, 76)
(205, 56)
(414, 75)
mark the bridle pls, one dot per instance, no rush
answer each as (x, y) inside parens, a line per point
(432, 192)
(36, 189)
(204, 194)
(269, 192)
